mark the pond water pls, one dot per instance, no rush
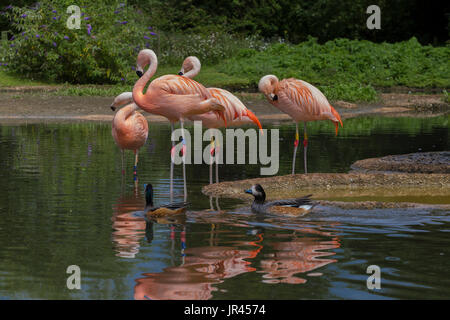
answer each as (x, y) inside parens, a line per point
(64, 202)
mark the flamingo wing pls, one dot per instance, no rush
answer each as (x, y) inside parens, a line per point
(236, 111)
(304, 102)
(180, 85)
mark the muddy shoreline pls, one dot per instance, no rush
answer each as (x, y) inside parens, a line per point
(422, 162)
(25, 105)
(391, 189)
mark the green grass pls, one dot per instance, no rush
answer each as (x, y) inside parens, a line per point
(446, 96)
(343, 69)
(10, 80)
(349, 69)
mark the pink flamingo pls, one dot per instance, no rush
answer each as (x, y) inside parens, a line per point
(129, 127)
(300, 100)
(172, 96)
(236, 113)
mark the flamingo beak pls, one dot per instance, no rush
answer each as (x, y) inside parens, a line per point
(139, 73)
(180, 73)
(113, 108)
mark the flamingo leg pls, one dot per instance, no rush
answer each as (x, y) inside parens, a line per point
(210, 162)
(216, 156)
(123, 169)
(305, 146)
(295, 148)
(211, 203)
(184, 166)
(135, 164)
(183, 244)
(171, 163)
(217, 204)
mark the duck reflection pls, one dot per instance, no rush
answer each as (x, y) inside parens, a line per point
(131, 224)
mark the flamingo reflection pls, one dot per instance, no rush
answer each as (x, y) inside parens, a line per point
(128, 228)
(203, 267)
(300, 255)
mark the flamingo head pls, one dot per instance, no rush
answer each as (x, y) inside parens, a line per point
(145, 57)
(121, 99)
(267, 86)
(190, 64)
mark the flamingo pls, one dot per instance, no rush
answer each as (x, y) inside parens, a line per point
(300, 100)
(172, 96)
(129, 127)
(236, 113)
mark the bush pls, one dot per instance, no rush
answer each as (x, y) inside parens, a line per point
(209, 48)
(344, 61)
(103, 50)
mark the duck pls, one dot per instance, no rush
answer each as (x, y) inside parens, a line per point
(164, 210)
(290, 207)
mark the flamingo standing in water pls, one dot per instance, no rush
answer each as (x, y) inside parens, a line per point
(129, 127)
(236, 112)
(172, 96)
(300, 100)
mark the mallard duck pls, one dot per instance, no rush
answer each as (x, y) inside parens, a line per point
(162, 210)
(289, 207)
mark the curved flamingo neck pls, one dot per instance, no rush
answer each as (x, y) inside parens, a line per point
(123, 98)
(196, 66)
(123, 114)
(273, 81)
(138, 94)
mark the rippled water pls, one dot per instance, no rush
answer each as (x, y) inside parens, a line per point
(63, 202)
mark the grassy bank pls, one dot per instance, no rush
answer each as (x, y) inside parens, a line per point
(344, 64)
(343, 69)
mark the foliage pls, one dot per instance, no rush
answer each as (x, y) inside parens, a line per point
(295, 20)
(209, 48)
(101, 51)
(344, 62)
(446, 96)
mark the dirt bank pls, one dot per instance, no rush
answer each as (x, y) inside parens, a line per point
(402, 187)
(422, 162)
(24, 104)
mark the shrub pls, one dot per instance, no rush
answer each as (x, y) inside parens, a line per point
(344, 61)
(101, 51)
(209, 48)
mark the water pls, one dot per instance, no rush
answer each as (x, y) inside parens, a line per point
(63, 202)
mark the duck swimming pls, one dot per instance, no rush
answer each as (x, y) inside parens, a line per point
(290, 207)
(151, 211)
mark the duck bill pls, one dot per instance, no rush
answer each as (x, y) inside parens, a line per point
(249, 191)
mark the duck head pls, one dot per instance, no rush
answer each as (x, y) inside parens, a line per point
(258, 192)
(149, 195)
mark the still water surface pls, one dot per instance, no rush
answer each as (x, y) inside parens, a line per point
(63, 202)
